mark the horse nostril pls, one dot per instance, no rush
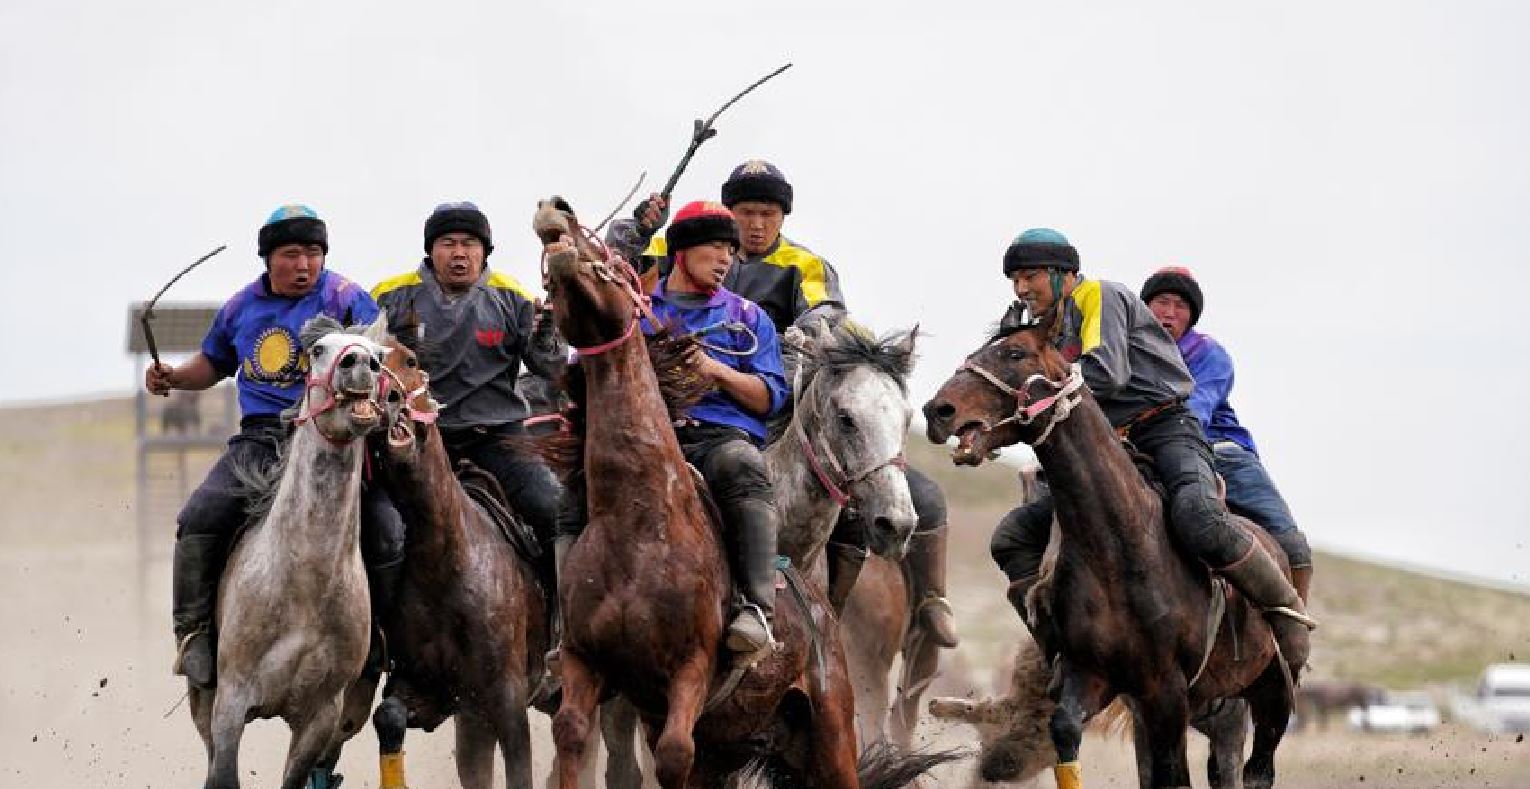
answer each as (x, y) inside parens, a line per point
(945, 411)
(883, 523)
(373, 364)
(348, 362)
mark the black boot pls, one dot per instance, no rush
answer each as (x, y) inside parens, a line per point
(560, 555)
(1260, 579)
(383, 584)
(845, 562)
(926, 568)
(755, 525)
(197, 565)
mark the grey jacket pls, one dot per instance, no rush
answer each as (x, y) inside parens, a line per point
(474, 344)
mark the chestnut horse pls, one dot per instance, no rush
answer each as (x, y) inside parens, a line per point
(645, 588)
(467, 633)
(1127, 613)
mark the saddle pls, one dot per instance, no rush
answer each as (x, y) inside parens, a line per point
(484, 490)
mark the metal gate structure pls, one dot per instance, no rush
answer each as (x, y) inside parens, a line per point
(178, 438)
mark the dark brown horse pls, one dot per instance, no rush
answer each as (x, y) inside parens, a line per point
(645, 588)
(467, 633)
(1127, 614)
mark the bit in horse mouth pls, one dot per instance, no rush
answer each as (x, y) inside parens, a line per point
(967, 437)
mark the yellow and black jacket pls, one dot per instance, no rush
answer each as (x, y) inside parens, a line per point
(790, 282)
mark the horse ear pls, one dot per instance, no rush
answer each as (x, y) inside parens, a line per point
(378, 331)
(903, 347)
(315, 329)
(797, 339)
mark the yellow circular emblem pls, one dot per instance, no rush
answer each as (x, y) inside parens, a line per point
(275, 353)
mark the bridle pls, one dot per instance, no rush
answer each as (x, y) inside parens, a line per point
(838, 483)
(325, 382)
(614, 269)
(1058, 405)
(389, 380)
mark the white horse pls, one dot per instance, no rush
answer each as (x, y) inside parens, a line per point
(292, 617)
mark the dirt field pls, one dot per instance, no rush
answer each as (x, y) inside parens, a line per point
(86, 698)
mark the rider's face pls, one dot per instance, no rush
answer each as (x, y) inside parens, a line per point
(294, 268)
(706, 264)
(1172, 312)
(1034, 287)
(759, 223)
(458, 261)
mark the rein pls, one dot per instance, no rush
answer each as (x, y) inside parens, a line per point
(390, 379)
(1059, 404)
(837, 490)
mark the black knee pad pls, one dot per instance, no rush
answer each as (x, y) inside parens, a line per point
(390, 720)
(1294, 543)
(929, 500)
(382, 531)
(1199, 523)
(1020, 539)
(736, 471)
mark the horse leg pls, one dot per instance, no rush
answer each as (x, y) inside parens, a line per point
(310, 737)
(832, 761)
(1166, 715)
(354, 707)
(921, 661)
(1271, 710)
(229, 709)
(618, 728)
(513, 730)
(475, 751)
(201, 705)
(1227, 733)
(675, 750)
(1143, 748)
(1080, 695)
(391, 722)
(571, 726)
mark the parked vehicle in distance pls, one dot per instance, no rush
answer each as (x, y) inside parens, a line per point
(1501, 703)
(1412, 712)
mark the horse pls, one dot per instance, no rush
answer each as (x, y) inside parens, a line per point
(467, 631)
(1316, 702)
(1126, 613)
(645, 588)
(843, 448)
(292, 619)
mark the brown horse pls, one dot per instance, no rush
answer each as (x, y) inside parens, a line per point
(1127, 614)
(467, 633)
(646, 586)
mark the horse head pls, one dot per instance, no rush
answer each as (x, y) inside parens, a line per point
(408, 403)
(340, 396)
(594, 300)
(851, 419)
(1012, 389)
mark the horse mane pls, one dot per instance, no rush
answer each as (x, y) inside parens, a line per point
(668, 352)
(260, 484)
(841, 346)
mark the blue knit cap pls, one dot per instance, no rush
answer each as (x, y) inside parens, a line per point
(1040, 247)
(292, 224)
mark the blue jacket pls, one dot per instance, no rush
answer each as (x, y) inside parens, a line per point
(1212, 368)
(255, 335)
(716, 320)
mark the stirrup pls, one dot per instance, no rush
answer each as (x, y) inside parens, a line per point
(177, 667)
(1309, 622)
(770, 636)
(930, 598)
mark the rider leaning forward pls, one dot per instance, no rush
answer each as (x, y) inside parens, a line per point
(255, 338)
(795, 286)
(1175, 298)
(1137, 376)
(478, 326)
(722, 434)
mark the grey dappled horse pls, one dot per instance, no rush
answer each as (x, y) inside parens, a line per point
(292, 617)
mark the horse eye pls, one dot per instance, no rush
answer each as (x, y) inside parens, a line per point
(411, 363)
(846, 420)
(1014, 354)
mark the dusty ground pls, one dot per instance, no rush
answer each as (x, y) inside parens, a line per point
(86, 698)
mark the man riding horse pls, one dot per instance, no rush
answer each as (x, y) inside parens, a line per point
(795, 286)
(722, 434)
(478, 326)
(255, 338)
(1175, 299)
(1135, 372)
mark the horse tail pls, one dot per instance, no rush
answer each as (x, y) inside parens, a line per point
(1115, 720)
(884, 765)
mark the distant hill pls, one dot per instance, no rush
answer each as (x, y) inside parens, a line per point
(67, 478)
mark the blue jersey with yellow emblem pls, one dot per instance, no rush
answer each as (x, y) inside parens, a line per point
(255, 335)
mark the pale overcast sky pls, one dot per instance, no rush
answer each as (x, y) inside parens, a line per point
(1348, 180)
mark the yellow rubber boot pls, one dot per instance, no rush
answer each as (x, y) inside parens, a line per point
(392, 770)
(1069, 775)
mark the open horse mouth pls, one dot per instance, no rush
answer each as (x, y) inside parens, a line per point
(400, 434)
(970, 438)
(364, 412)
